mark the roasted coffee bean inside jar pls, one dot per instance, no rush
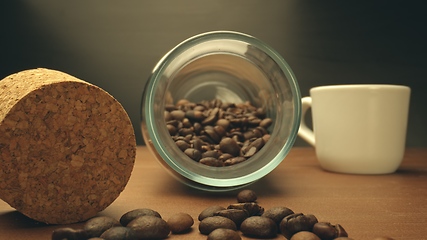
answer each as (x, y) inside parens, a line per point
(217, 133)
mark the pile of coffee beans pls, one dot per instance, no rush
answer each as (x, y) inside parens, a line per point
(254, 221)
(137, 224)
(245, 217)
(217, 133)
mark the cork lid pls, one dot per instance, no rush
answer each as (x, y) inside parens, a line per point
(67, 147)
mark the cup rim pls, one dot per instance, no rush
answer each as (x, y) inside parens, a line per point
(362, 86)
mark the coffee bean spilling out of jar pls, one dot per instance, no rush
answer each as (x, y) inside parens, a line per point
(217, 133)
(217, 222)
(246, 196)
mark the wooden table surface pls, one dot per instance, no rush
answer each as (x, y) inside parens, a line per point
(367, 206)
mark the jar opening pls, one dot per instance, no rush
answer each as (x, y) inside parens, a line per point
(234, 68)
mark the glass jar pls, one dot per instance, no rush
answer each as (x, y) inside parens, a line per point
(233, 67)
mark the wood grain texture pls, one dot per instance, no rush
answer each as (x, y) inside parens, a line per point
(367, 206)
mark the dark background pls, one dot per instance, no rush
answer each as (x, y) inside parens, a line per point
(115, 44)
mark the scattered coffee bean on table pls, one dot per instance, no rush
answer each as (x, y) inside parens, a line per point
(217, 222)
(277, 214)
(209, 224)
(210, 212)
(246, 196)
(297, 222)
(326, 230)
(94, 227)
(180, 222)
(259, 227)
(253, 209)
(217, 133)
(126, 218)
(149, 227)
(68, 233)
(119, 233)
(236, 215)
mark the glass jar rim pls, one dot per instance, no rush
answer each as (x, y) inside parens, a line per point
(199, 181)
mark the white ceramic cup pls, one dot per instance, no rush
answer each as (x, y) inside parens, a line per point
(357, 129)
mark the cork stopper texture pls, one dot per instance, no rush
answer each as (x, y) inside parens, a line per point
(67, 147)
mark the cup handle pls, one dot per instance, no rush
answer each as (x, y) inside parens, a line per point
(304, 132)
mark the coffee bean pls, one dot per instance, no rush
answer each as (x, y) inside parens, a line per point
(185, 131)
(224, 123)
(251, 207)
(216, 125)
(305, 235)
(225, 156)
(211, 118)
(207, 225)
(170, 107)
(266, 137)
(171, 129)
(211, 153)
(210, 211)
(266, 123)
(233, 161)
(210, 132)
(149, 227)
(246, 196)
(195, 115)
(186, 123)
(210, 161)
(182, 144)
(194, 154)
(126, 218)
(326, 230)
(297, 222)
(180, 222)
(69, 234)
(249, 152)
(119, 233)
(236, 215)
(178, 114)
(94, 227)
(228, 145)
(220, 131)
(259, 227)
(223, 234)
(277, 214)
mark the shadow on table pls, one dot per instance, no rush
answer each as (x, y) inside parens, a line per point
(264, 187)
(17, 220)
